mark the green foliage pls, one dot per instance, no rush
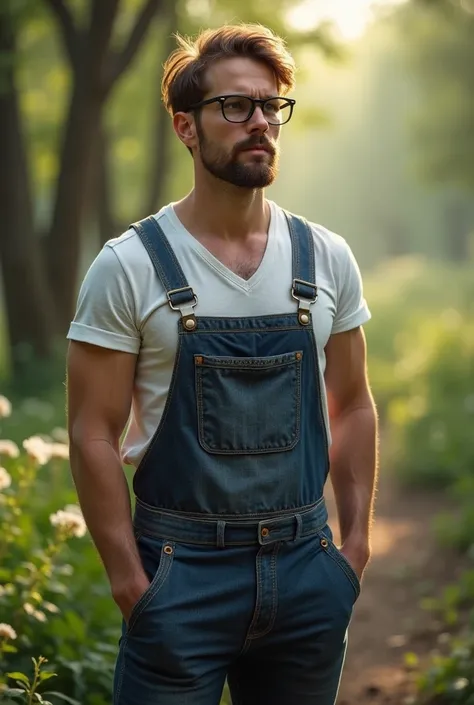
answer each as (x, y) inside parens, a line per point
(449, 678)
(433, 422)
(437, 37)
(54, 593)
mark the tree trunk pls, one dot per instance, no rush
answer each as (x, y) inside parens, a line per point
(29, 305)
(107, 227)
(162, 133)
(64, 241)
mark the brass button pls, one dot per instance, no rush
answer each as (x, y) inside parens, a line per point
(265, 532)
(304, 318)
(190, 324)
(324, 543)
(168, 549)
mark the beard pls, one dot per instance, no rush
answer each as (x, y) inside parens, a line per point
(260, 172)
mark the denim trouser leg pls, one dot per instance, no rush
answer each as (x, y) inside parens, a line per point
(273, 618)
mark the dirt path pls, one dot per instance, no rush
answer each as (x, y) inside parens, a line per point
(406, 564)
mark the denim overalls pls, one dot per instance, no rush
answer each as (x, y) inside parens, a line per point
(230, 519)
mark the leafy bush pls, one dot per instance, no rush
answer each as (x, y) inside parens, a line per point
(432, 424)
(54, 592)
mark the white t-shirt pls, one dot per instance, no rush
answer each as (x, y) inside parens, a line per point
(122, 305)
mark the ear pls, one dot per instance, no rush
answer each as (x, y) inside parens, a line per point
(184, 125)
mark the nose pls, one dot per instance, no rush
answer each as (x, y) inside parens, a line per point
(258, 121)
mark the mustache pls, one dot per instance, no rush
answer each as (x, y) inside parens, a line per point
(252, 142)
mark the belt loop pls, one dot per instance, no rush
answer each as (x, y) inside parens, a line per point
(220, 534)
(299, 526)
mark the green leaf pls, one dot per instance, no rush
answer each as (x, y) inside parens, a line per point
(46, 675)
(63, 697)
(16, 675)
(9, 649)
(15, 692)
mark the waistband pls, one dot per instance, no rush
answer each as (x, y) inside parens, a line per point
(226, 531)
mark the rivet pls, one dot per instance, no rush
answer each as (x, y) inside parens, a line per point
(299, 355)
(199, 360)
(304, 318)
(265, 532)
(168, 550)
(190, 324)
(324, 543)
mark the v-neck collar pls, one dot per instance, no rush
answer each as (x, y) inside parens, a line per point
(215, 263)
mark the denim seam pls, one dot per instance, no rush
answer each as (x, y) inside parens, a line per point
(165, 410)
(231, 331)
(347, 569)
(306, 508)
(271, 621)
(248, 451)
(156, 584)
(258, 602)
(320, 402)
(118, 689)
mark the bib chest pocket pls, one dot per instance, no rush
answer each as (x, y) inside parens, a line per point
(248, 404)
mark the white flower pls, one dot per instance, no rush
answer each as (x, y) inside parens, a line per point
(39, 615)
(5, 407)
(7, 632)
(5, 479)
(37, 449)
(29, 609)
(9, 449)
(59, 450)
(70, 520)
(54, 609)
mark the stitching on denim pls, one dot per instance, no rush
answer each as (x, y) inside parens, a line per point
(344, 566)
(273, 613)
(258, 602)
(118, 689)
(165, 410)
(231, 331)
(155, 586)
(178, 272)
(204, 442)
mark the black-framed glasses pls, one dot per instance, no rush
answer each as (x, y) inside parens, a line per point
(240, 108)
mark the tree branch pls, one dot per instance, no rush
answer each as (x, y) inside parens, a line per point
(120, 61)
(68, 29)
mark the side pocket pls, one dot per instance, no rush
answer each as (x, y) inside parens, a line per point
(330, 548)
(147, 547)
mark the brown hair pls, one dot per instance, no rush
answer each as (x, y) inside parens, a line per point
(184, 75)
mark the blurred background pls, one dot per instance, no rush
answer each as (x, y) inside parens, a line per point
(381, 151)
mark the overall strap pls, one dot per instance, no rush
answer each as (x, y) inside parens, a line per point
(180, 295)
(303, 288)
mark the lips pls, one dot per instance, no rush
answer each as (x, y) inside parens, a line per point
(257, 148)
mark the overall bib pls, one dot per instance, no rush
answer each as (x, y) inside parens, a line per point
(230, 519)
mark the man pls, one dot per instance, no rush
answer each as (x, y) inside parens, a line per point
(227, 333)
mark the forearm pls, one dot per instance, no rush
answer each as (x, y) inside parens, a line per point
(354, 463)
(105, 502)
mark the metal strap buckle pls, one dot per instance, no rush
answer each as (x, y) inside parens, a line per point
(186, 303)
(302, 298)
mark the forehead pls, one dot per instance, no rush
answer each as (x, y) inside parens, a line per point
(240, 75)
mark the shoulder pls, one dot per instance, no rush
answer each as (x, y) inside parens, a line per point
(332, 251)
(128, 248)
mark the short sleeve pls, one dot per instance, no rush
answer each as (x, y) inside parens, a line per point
(352, 309)
(105, 312)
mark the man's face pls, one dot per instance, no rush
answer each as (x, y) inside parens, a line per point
(243, 154)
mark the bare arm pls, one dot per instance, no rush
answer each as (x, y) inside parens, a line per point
(99, 390)
(354, 448)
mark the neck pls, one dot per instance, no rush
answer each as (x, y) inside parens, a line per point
(228, 212)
